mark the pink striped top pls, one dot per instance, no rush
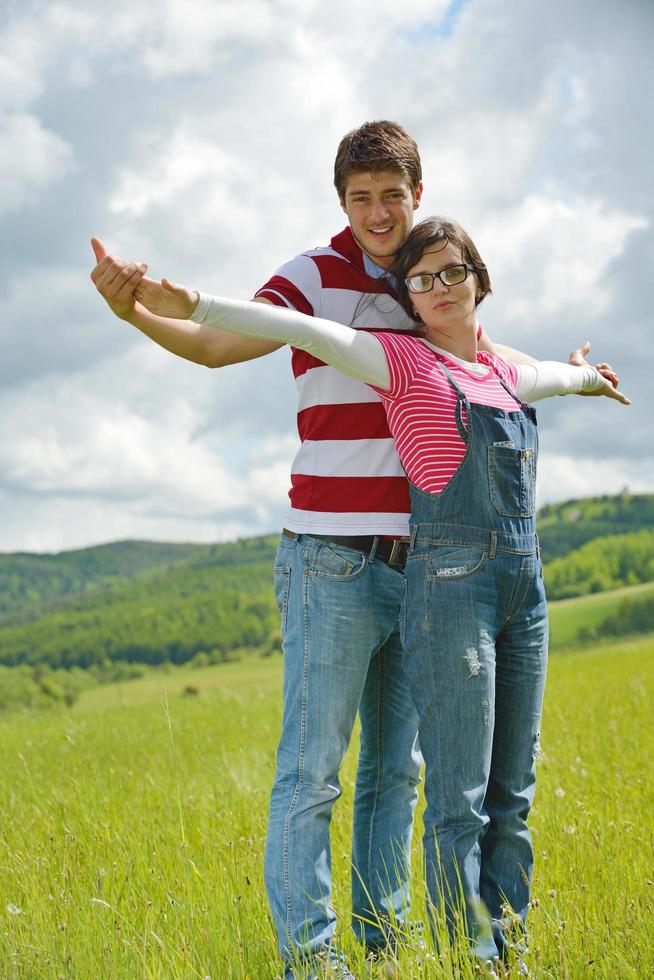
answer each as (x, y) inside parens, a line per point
(420, 405)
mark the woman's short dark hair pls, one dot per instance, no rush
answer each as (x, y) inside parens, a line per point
(425, 234)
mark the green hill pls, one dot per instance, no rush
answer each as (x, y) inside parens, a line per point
(213, 602)
(564, 527)
(28, 580)
(592, 618)
(137, 602)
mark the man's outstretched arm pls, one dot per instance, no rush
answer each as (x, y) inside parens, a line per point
(116, 281)
(502, 350)
(518, 357)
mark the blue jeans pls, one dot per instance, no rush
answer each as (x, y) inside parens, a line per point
(475, 628)
(342, 653)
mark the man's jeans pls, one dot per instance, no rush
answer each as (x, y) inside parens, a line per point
(342, 652)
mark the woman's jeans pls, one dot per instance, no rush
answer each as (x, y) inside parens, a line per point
(342, 653)
(475, 625)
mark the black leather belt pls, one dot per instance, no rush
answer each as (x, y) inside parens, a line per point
(393, 552)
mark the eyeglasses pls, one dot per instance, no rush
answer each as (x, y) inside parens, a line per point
(422, 282)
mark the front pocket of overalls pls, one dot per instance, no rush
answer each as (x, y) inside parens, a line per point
(512, 478)
(449, 564)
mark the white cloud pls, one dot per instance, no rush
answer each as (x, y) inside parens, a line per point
(181, 161)
(549, 257)
(129, 430)
(563, 477)
(194, 33)
(55, 523)
(33, 158)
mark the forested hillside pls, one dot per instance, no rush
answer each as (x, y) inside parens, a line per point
(563, 527)
(143, 603)
(29, 580)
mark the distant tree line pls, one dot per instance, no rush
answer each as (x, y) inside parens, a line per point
(601, 564)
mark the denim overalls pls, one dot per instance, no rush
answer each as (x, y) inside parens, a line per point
(475, 636)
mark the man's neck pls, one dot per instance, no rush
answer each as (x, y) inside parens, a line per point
(374, 269)
(383, 261)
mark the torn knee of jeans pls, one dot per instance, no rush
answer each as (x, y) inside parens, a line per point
(486, 706)
(536, 751)
(472, 659)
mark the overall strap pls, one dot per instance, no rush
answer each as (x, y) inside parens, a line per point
(461, 401)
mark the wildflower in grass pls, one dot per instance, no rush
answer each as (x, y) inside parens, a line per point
(559, 792)
(14, 909)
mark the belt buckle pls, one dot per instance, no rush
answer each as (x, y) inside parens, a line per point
(393, 558)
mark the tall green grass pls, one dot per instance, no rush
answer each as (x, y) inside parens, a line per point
(133, 827)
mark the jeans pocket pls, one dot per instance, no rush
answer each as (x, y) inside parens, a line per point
(512, 480)
(337, 564)
(282, 586)
(450, 564)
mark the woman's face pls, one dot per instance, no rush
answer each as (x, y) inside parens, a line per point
(444, 309)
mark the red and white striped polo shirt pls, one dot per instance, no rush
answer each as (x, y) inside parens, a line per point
(346, 477)
(421, 405)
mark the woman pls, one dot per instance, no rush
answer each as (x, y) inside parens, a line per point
(474, 618)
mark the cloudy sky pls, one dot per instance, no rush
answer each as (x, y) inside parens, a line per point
(199, 135)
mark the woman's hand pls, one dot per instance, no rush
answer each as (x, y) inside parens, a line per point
(166, 298)
(610, 386)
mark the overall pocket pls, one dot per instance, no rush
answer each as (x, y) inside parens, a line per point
(448, 563)
(512, 479)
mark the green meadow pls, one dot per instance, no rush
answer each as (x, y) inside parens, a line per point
(134, 821)
(570, 617)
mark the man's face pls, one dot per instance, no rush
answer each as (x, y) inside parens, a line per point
(380, 207)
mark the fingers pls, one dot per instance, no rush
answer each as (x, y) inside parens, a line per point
(613, 392)
(116, 280)
(607, 372)
(98, 249)
(620, 397)
(578, 356)
(610, 376)
(174, 287)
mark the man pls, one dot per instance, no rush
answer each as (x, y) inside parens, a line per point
(339, 565)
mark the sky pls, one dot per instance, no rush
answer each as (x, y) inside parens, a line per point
(199, 136)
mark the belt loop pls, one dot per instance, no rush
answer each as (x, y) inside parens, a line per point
(493, 544)
(414, 535)
(373, 550)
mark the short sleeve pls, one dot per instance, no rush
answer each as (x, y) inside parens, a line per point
(403, 357)
(505, 370)
(296, 285)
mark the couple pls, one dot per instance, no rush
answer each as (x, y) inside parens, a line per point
(473, 618)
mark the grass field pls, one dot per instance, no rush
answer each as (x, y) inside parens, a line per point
(133, 828)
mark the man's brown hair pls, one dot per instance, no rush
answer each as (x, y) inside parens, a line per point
(428, 233)
(373, 147)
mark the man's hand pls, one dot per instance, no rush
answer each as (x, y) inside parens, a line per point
(610, 387)
(116, 280)
(123, 283)
(166, 298)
